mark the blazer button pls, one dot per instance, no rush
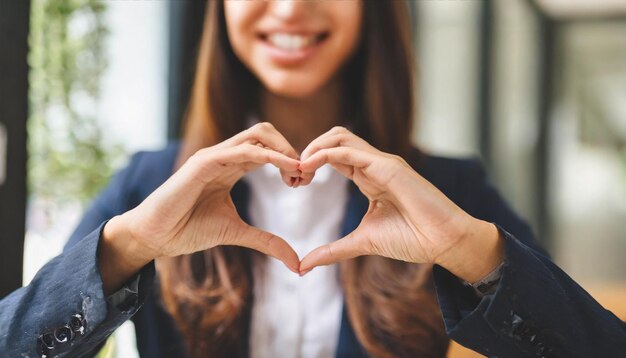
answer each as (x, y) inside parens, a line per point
(47, 341)
(77, 324)
(63, 334)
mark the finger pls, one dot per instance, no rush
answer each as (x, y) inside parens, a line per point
(270, 245)
(351, 246)
(339, 155)
(346, 170)
(305, 179)
(268, 136)
(289, 175)
(264, 135)
(336, 137)
(230, 164)
(248, 153)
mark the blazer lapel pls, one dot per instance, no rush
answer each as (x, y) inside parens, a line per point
(240, 194)
(348, 345)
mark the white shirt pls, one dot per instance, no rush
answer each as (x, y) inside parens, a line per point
(296, 316)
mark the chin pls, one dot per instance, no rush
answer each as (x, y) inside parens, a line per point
(292, 89)
(298, 82)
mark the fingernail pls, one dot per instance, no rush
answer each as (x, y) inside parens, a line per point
(302, 273)
(291, 269)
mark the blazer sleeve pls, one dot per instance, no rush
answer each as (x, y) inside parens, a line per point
(63, 311)
(537, 309)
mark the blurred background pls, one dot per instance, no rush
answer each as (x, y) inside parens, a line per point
(535, 88)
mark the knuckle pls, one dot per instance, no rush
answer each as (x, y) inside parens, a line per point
(330, 252)
(313, 148)
(266, 155)
(245, 152)
(264, 126)
(264, 240)
(253, 132)
(340, 129)
(343, 138)
(250, 131)
(244, 149)
(344, 152)
(395, 160)
(399, 161)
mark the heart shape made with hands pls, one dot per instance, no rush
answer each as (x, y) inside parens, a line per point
(407, 219)
(386, 229)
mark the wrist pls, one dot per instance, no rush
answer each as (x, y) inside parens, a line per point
(479, 250)
(120, 255)
(119, 233)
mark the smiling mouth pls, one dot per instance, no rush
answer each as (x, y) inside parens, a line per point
(293, 42)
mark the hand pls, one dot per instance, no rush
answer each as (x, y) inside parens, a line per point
(193, 211)
(408, 218)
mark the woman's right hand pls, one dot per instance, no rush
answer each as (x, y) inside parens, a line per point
(193, 211)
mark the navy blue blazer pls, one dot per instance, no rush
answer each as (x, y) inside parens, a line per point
(537, 310)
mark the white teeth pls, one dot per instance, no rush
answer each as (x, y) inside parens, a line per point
(290, 42)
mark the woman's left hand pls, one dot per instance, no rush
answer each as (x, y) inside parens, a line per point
(408, 218)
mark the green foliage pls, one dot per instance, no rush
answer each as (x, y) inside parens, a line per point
(69, 158)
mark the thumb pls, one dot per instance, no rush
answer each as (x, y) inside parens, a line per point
(353, 245)
(270, 245)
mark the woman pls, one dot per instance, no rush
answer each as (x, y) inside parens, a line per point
(302, 67)
(386, 212)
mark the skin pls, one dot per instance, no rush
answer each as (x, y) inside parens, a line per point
(408, 218)
(302, 100)
(248, 21)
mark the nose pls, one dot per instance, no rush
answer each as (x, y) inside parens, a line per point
(291, 10)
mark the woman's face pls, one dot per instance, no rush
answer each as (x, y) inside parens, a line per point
(294, 47)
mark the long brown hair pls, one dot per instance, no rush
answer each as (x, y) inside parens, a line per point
(391, 304)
